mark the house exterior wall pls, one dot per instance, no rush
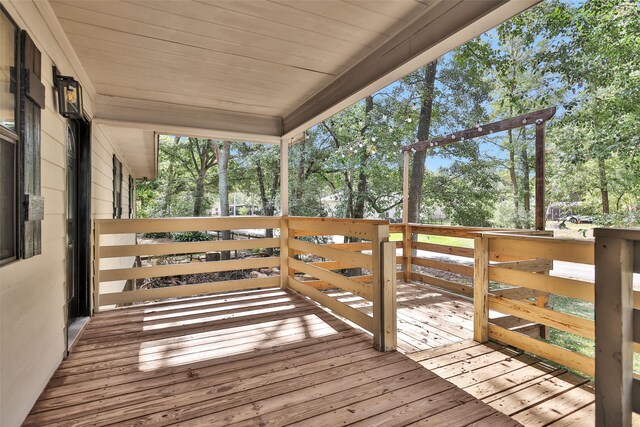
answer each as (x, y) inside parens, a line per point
(33, 291)
(102, 199)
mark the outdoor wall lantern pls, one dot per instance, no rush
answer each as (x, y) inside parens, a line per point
(69, 95)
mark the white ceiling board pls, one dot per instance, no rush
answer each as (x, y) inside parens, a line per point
(260, 69)
(256, 46)
(137, 148)
(165, 117)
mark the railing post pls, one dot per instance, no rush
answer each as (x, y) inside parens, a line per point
(481, 289)
(407, 252)
(284, 252)
(384, 290)
(96, 267)
(614, 328)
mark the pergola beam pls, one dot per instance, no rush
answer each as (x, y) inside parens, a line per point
(536, 117)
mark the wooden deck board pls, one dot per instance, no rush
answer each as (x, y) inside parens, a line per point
(266, 357)
(516, 384)
(529, 390)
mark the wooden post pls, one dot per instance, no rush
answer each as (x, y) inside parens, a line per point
(540, 177)
(481, 290)
(96, 267)
(407, 252)
(284, 212)
(284, 178)
(614, 329)
(406, 231)
(405, 189)
(284, 252)
(290, 253)
(387, 291)
(383, 302)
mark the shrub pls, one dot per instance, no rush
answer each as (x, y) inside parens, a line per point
(192, 236)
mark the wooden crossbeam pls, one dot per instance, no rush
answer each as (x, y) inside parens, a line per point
(536, 117)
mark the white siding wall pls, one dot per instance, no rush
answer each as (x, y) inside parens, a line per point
(102, 195)
(33, 291)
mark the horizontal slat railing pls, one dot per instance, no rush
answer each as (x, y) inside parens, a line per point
(187, 247)
(105, 254)
(314, 267)
(458, 259)
(492, 245)
(363, 289)
(191, 268)
(169, 225)
(538, 247)
(369, 250)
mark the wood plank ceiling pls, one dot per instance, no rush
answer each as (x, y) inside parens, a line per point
(256, 57)
(245, 66)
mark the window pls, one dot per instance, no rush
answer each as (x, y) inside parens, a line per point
(117, 188)
(8, 139)
(21, 202)
(132, 199)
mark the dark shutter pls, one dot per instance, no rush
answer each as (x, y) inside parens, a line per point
(131, 196)
(31, 101)
(117, 188)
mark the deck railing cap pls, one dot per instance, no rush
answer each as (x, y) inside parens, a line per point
(620, 233)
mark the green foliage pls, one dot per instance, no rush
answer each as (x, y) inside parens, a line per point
(583, 57)
(158, 235)
(192, 236)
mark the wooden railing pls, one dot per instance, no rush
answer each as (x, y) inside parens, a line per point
(417, 236)
(103, 253)
(494, 246)
(617, 329)
(369, 252)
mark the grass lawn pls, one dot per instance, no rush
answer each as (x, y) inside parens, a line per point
(573, 342)
(438, 240)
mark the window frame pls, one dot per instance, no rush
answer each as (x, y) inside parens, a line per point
(13, 137)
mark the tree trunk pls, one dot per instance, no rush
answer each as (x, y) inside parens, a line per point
(604, 185)
(267, 200)
(514, 180)
(198, 194)
(168, 194)
(416, 180)
(301, 170)
(223, 183)
(526, 193)
(362, 186)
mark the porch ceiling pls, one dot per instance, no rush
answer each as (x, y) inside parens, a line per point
(258, 70)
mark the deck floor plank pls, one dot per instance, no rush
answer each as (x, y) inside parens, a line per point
(266, 357)
(531, 391)
(271, 357)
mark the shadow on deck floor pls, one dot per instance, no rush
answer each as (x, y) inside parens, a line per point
(264, 357)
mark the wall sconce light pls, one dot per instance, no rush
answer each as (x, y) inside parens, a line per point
(69, 95)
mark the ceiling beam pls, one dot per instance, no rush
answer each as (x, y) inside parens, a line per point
(441, 28)
(185, 120)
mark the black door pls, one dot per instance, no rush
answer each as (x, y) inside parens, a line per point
(78, 226)
(73, 283)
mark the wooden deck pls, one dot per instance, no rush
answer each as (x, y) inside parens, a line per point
(263, 357)
(435, 328)
(528, 390)
(427, 316)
